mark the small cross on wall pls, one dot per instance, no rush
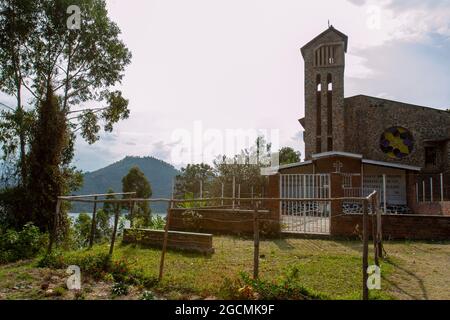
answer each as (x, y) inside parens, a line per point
(338, 166)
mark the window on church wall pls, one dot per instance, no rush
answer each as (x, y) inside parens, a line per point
(330, 106)
(318, 106)
(330, 144)
(318, 145)
(397, 143)
(431, 156)
(325, 55)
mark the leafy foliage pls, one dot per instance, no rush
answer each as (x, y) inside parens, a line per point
(82, 228)
(148, 295)
(60, 68)
(288, 155)
(135, 181)
(188, 181)
(287, 288)
(157, 223)
(119, 289)
(24, 244)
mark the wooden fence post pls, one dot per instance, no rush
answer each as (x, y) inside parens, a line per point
(379, 234)
(234, 190)
(365, 261)
(255, 242)
(113, 237)
(374, 229)
(93, 224)
(166, 237)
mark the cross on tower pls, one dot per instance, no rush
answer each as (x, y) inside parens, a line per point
(338, 166)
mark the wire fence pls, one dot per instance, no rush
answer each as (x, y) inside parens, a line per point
(372, 201)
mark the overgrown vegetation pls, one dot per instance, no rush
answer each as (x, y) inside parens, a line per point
(23, 244)
(297, 268)
(287, 288)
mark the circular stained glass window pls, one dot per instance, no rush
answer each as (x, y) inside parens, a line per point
(397, 142)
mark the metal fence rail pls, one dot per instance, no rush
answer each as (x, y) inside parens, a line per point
(432, 187)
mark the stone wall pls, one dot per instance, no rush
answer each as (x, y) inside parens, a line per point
(367, 118)
(225, 221)
(196, 242)
(413, 227)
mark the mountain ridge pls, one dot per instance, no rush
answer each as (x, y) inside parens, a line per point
(159, 173)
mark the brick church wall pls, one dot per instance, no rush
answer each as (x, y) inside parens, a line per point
(413, 227)
(226, 221)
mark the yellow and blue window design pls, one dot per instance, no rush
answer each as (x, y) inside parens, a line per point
(397, 142)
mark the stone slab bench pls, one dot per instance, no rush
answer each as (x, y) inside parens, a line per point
(186, 241)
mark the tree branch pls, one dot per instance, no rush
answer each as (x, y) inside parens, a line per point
(31, 91)
(89, 109)
(6, 106)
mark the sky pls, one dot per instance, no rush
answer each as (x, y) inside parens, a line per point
(204, 72)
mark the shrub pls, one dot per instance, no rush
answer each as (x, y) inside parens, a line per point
(82, 228)
(287, 288)
(147, 295)
(59, 291)
(119, 289)
(157, 223)
(120, 270)
(24, 244)
(97, 265)
(79, 295)
(54, 260)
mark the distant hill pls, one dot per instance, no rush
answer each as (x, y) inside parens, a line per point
(160, 174)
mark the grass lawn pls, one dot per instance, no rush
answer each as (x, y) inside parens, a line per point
(413, 270)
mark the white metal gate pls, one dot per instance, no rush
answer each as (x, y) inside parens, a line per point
(304, 216)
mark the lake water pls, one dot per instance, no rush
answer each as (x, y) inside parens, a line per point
(73, 216)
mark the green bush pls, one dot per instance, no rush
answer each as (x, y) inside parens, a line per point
(148, 295)
(24, 244)
(100, 266)
(157, 223)
(82, 228)
(97, 265)
(119, 289)
(54, 260)
(120, 270)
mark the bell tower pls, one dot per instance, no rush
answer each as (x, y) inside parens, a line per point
(324, 58)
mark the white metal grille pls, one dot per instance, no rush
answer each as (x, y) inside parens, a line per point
(303, 216)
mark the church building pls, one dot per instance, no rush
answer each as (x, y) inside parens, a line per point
(376, 144)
